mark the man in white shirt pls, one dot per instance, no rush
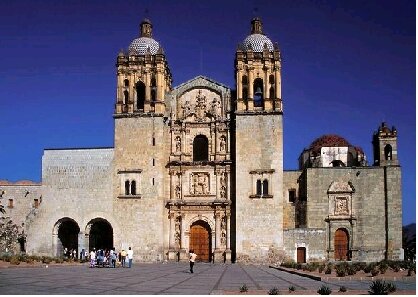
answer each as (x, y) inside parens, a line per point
(130, 257)
(192, 260)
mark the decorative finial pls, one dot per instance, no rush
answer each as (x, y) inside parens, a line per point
(256, 26)
(146, 28)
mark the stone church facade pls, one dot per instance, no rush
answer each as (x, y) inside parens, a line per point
(200, 166)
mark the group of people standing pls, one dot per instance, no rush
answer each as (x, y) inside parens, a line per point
(108, 258)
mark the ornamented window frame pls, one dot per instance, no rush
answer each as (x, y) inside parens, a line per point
(130, 175)
(261, 175)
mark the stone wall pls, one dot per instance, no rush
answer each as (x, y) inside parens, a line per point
(19, 198)
(76, 186)
(290, 182)
(259, 155)
(142, 145)
(366, 224)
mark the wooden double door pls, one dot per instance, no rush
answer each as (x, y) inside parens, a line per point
(200, 241)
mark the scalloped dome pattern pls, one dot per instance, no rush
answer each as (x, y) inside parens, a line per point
(140, 46)
(256, 43)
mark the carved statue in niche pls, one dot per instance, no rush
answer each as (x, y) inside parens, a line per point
(223, 230)
(178, 192)
(222, 143)
(177, 231)
(200, 183)
(178, 144)
(223, 192)
(341, 206)
(200, 109)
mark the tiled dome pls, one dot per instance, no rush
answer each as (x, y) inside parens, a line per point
(328, 140)
(256, 42)
(140, 46)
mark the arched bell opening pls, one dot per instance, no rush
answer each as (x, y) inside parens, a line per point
(140, 93)
(258, 92)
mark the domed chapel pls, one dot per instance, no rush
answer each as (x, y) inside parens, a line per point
(188, 172)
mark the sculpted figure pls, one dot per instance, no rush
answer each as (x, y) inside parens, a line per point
(222, 144)
(178, 144)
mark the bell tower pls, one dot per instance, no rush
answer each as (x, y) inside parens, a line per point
(140, 153)
(143, 75)
(385, 146)
(258, 72)
(258, 146)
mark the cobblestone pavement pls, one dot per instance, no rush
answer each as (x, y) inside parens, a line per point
(165, 279)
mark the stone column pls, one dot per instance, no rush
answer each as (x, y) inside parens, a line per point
(250, 103)
(172, 231)
(266, 84)
(228, 253)
(81, 243)
(277, 80)
(217, 231)
(218, 252)
(183, 249)
(239, 84)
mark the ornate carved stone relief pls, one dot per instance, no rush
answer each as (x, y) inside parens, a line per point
(341, 206)
(199, 183)
(202, 107)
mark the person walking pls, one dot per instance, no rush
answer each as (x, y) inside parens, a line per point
(123, 257)
(192, 260)
(130, 257)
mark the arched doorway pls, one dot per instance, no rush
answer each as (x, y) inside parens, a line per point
(66, 229)
(200, 241)
(100, 234)
(341, 245)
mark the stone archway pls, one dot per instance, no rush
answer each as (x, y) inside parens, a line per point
(65, 236)
(100, 234)
(200, 240)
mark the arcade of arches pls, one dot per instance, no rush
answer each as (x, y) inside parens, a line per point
(67, 234)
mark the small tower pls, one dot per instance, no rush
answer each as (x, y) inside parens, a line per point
(143, 75)
(385, 146)
(258, 68)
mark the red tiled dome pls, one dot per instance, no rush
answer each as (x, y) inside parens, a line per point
(328, 140)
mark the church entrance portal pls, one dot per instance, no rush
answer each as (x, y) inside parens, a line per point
(200, 241)
(101, 234)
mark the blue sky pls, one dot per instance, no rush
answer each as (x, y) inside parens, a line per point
(347, 67)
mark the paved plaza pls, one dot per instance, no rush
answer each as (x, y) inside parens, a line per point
(164, 279)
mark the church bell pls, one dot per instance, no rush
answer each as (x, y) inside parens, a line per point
(258, 92)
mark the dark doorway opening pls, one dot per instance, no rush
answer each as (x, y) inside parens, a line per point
(101, 235)
(68, 235)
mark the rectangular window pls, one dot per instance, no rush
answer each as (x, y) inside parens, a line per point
(10, 203)
(153, 141)
(153, 182)
(153, 162)
(36, 203)
(292, 195)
